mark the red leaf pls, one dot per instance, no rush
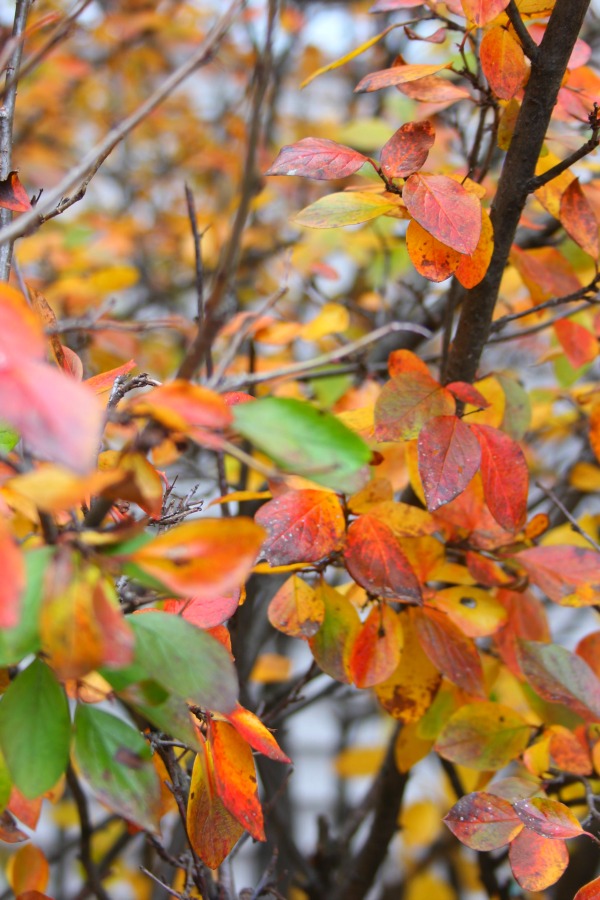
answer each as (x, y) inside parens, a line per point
(483, 821)
(450, 651)
(13, 195)
(537, 862)
(590, 891)
(13, 578)
(526, 620)
(396, 75)
(483, 11)
(503, 62)
(406, 402)
(559, 571)
(376, 562)
(376, 651)
(407, 149)
(302, 526)
(548, 818)
(57, 416)
(578, 219)
(205, 612)
(560, 676)
(317, 158)
(466, 393)
(504, 475)
(449, 456)
(579, 344)
(434, 89)
(446, 209)
(391, 5)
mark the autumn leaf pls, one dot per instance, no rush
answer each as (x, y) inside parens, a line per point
(377, 648)
(505, 477)
(375, 560)
(12, 566)
(432, 259)
(28, 871)
(560, 676)
(578, 218)
(332, 644)
(205, 612)
(13, 195)
(589, 891)
(503, 62)
(483, 821)
(580, 344)
(449, 456)
(235, 777)
(482, 12)
(537, 862)
(397, 75)
(445, 209)
(410, 690)
(450, 650)
(186, 408)
(346, 208)
(483, 736)
(301, 526)
(256, 734)
(317, 158)
(548, 818)
(296, 609)
(406, 402)
(567, 574)
(471, 269)
(407, 149)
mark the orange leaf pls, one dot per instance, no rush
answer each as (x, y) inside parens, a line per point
(407, 149)
(560, 571)
(449, 456)
(196, 558)
(432, 259)
(537, 862)
(405, 361)
(450, 651)
(235, 777)
(579, 220)
(186, 408)
(375, 560)
(503, 62)
(396, 75)
(376, 651)
(212, 829)
(504, 475)
(409, 691)
(446, 209)
(21, 333)
(28, 870)
(471, 269)
(590, 891)
(301, 526)
(579, 344)
(256, 734)
(13, 578)
(105, 381)
(296, 609)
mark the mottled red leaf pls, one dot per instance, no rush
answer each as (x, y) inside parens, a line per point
(560, 676)
(466, 393)
(590, 891)
(537, 862)
(407, 149)
(449, 456)
(374, 559)
(483, 11)
(560, 571)
(205, 612)
(503, 62)
(504, 475)
(446, 209)
(434, 89)
(406, 402)
(454, 654)
(376, 650)
(548, 818)
(301, 526)
(13, 195)
(526, 620)
(569, 751)
(578, 219)
(317, 158)
(483, 821)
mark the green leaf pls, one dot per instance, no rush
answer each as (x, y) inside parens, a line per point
(185, 660)
(24, 638)
(303, 440)
(5, 784)
(9, 438)
(115, 760)
(345, 208)
(35, 729)
(483, 736)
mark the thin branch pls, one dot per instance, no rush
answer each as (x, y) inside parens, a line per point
(80, 176)
(589, 146)
(535, 329)
(7, 116)
(530, 48)
(568, 516)
(581, 294)
(86, 832)
(207, 331)
(199, 267)
(326, 358)
(171, 892)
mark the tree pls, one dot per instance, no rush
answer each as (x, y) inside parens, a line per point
(236, 431)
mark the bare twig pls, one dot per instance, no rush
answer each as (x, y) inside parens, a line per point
(80, 176)
(535, 329)
(568, 516)
(581, 294)
(589, 146)
(7, 115)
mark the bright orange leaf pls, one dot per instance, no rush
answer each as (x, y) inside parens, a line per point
(235, 777)
(376, 651)
(503, 62)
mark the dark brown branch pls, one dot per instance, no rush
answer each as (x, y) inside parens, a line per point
(514, 187)
(589, 146)
(535, 329)
(530, 48)
(570, 518)
(85, 844)
(360, 872)
(582, 294)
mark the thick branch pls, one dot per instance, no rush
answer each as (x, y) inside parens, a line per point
(530, 48)
(547, 72)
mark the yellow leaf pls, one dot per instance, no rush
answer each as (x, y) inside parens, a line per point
(410, 747)
(493, 415)
(359, 762)
(113, 278)
(344, 59)
(585, 477)
(421, 823)
(332, 319)
(409, 691)
(271, 668)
